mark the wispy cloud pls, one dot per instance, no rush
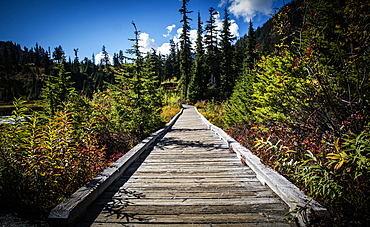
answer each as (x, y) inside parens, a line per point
(248, 9)
(169, 30)
(222, 2)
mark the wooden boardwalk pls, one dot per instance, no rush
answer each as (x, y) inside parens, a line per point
(189, 178)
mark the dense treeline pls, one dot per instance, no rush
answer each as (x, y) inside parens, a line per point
(24, 72)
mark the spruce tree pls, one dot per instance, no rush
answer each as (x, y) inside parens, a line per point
(238, 58)
(136, 99)
(171, 63)
(58, 89)
(212, 50)
(197, 85)
(185, 54)
(251, 55)
(239, 108)
(157, 63)
(105, 59)
(58, 54)
(227, 72)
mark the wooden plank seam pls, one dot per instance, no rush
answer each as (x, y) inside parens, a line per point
(69, 211)
(286, 190)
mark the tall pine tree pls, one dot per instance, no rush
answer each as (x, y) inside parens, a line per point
(251, 54)
(136, 96)
(227, 73)
(197, 85)
(212, 50)
(185, 54)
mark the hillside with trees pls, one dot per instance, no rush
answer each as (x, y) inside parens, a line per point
(304, 107)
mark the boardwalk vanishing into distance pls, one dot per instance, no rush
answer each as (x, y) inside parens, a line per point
(188, 178)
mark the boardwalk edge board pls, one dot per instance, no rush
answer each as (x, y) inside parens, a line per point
(287, 191)
(68, 212)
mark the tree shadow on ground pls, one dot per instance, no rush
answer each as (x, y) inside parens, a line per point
(113, 202)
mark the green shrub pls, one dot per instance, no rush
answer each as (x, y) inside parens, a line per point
(43, 161)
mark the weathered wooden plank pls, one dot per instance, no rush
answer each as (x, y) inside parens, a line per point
(191, 176)
(190, 218)
(214, 185)
(193, 209)
(193, 189)
(195, 201)
(175, 181)
(123, 193)
(188, 225)
(191, 168)
(198, 160)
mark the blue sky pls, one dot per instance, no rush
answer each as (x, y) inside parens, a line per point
(88, 25)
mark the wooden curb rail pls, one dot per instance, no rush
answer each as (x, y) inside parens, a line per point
(287, 191)
(68, 212)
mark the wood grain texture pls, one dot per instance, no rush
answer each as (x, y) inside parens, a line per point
(189, 178)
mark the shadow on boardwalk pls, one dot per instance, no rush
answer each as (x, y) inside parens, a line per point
(111, 201)
(188, 178)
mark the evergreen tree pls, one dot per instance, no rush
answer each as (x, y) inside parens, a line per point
(157, 64)
(58, 89)
(185, 54)
(251, 55)
(105, 59)
(238, 58)
(58, 54)
(197, 85)
(177, 62)
(76, 62)
(5, 74)
(212, 50)
(116, 62)
(46, 63)
(239, 108)
(136, 96)
(170, 64)
(227, 72)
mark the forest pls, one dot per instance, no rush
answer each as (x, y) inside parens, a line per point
(295, 92)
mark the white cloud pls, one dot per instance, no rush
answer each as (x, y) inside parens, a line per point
(164, 49)
(169, 30)
(249, 8)
(218, 23)
(146, 44)
(100, 56)
(176, 38)
(234, 28)
(193, 38)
